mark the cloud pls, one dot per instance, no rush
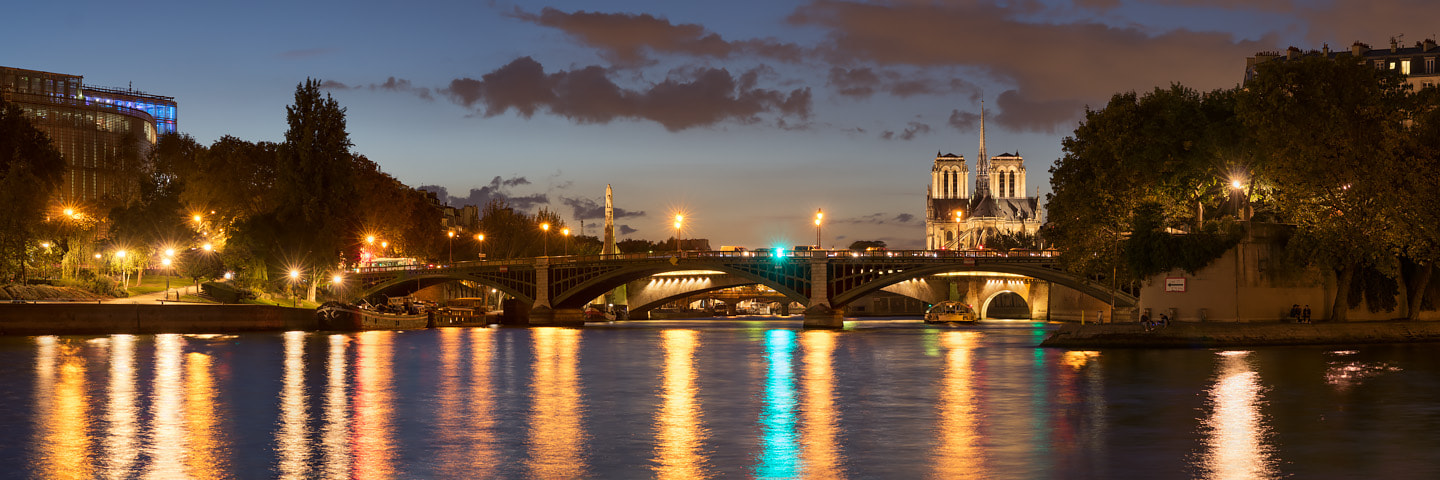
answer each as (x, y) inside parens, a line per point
(590, 208)
(626, 230)
(876, 219)
(628, 39)
(864, 82)
(391, 84)
(964, 121)
(911, 130)
(498, 189)
(1056, 64)
(693, 98)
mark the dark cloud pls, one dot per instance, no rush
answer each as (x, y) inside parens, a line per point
(1020, 113)
(1096, 59)
(496, 190)
(865, 81)
(391, 84)
(627, 39)
(626, 230)
(590, 208)
(911, 130)
(688, 99)
(964, 121)
(876, 219)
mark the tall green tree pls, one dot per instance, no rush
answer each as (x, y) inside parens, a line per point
(1330, 133)
(31, 170)
(315, 182)
(1419, 219)
(1173, 148)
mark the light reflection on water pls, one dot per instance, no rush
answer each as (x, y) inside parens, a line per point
(703, 400)
(1236, 442)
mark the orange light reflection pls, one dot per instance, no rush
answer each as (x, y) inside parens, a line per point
(290, 439)
(820, 431)
(677, 423)
(957, 452)
(207, 455)
(1235, 431)
(556, 435)
(62, 408)
(373, 447)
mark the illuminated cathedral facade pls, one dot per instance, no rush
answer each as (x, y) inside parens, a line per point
(959, 218)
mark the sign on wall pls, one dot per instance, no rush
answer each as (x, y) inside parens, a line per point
(1175, 284)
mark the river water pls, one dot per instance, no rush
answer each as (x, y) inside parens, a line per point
(694, 399)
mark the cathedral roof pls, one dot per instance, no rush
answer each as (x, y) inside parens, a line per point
(1027, 208)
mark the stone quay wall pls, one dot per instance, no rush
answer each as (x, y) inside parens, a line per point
(1224, 335)
(97, 319)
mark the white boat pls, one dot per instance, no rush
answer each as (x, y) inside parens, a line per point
(950, 312)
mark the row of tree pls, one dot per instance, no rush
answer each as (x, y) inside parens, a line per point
(1343, 151)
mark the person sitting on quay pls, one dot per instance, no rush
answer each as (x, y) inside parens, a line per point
(1305, 314)
(1295, 313)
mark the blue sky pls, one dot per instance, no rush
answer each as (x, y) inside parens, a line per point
(746, 115)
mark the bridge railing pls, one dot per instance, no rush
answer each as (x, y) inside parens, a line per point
(1012, 255)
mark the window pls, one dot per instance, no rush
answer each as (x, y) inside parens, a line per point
(1430, 65)
(1379, 64)
(1404, 67)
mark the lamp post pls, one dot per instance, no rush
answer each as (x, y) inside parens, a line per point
(565, 240)
(337, 283)
(166, 262)
(679, 220)
(544, 239)
(294, 276)
(451, 234)
(480, 238)
(958, 216)
(124, 272)
(818, 216)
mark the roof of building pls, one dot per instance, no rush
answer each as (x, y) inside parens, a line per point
(1026, 208)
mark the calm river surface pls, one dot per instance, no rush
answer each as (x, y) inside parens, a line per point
(695, 399)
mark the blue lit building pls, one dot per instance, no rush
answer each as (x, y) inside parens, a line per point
(104, 134)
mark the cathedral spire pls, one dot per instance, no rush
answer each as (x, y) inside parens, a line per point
(982, 165)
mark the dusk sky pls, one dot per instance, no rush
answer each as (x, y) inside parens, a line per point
(746, 115)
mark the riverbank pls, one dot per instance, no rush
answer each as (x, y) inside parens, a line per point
(96, 319)
(1217, 335)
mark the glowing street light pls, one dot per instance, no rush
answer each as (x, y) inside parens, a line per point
(370, 239)
(294, 277)
(451, 234)
(679, 221)
(480, 238)
(819, 215)
(544, 239)
(207, 247)
(566, 240)
(166, 262)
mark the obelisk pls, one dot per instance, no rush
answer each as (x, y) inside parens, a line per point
(614, 299)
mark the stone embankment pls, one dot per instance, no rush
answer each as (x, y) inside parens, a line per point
(47, 293)
(1212, 335)
(94, 319)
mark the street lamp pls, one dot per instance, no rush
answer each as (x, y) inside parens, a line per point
(566, 240)
(451, 234)
(166, 262)
(1236, 185)
(124, 273)
(679, 220)
(480, 237)
(818, 216)
(294, 276)
(544, 239)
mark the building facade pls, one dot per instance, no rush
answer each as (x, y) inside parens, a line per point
(1416, 62)
(958, 219)
(103, 133)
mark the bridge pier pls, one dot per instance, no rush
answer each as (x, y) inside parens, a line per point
(822, 316)
(545, 316)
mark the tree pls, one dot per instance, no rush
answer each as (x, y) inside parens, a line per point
(1419, 223)
(862, 245)
(30, 172)
(1173, 148)
(315, 182)
(1330, 133)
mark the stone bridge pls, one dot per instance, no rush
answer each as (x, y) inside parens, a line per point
(559, 287)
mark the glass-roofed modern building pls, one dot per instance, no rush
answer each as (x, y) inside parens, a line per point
(101, 132)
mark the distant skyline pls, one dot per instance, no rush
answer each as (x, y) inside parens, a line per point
(746, 115)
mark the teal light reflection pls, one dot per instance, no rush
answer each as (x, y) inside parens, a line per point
(930, 342)
(780, 446)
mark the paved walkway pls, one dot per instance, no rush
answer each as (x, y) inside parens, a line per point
(154, 298)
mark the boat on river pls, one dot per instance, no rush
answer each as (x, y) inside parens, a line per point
(339, 316)
(950, 311)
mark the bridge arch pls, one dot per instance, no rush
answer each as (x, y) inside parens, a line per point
(1037, 271)
(582, 293)
(984, 310)
(407, 284)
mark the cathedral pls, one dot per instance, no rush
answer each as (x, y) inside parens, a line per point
(957, 218)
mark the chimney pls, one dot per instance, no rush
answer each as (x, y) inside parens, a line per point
(1359, 49)
(1326, 50)
(1394, 45)
(1428, 45)
(1292, 53)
